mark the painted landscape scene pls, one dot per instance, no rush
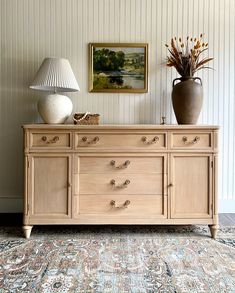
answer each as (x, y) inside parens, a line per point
(119, 68)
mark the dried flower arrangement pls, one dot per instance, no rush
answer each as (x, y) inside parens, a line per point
(186, 57)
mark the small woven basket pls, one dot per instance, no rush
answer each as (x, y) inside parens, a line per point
(86, 118)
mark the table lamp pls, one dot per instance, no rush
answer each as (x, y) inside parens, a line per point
(55, 75)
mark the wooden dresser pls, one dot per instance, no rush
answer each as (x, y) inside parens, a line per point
(120, 174)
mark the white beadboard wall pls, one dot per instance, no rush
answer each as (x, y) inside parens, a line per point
(33, 29)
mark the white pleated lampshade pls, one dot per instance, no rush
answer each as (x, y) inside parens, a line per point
(55, 74)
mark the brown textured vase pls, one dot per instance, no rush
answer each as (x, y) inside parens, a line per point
(187, 98)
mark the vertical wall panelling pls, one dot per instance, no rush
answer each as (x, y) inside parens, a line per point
(33, 29)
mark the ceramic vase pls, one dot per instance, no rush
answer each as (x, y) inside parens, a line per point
(187, 99)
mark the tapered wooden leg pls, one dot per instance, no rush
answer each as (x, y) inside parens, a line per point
(27, 231)
(214, 229)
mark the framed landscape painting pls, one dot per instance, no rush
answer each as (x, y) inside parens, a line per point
(118, 67)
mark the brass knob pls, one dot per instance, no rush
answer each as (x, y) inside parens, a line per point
(44, 138)
(93, 141)
(144, 138)
(124, 165)
(127, 163)
(154, 140)
(127, 203)
(53, 140)
(123, 185)
(195, 140)
(123, 206)
(127, 182)
(112, 182)
(170, 185)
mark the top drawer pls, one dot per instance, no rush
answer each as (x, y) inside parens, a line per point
(60, 140)
(192, 140)
(121, 141)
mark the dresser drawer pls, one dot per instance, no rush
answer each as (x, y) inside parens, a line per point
(121, 165)
(121, 184)
(50, 140)
(136, 206)
(121, 141)
(197, 140)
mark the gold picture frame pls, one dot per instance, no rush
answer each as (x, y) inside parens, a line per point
(118, 67)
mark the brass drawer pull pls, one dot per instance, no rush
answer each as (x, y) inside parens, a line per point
(53, 140)
(195, 140)
(154, 140)
(123, 206)
(123, 166)
(123, 185)
(93, 141)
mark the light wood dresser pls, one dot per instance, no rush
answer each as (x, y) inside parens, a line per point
(114, 174)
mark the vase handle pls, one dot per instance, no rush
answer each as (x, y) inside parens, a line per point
(178, 78)
(195, 78)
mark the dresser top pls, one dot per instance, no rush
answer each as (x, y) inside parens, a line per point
(117, 126)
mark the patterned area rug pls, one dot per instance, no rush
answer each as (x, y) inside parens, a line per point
(117, 259)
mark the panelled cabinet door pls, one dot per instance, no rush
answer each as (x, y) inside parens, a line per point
(49, 186)
(191, 186)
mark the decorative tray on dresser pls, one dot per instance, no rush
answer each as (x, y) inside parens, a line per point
(120, 174)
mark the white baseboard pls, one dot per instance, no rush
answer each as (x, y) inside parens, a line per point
(11, 205)
(226, 205)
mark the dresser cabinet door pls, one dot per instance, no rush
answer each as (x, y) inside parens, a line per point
(191, 186)
(49, 194)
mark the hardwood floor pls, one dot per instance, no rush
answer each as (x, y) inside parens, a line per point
(16, 219)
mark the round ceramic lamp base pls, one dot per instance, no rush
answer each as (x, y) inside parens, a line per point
(55, 108)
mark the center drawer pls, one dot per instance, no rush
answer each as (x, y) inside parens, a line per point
(121, 141)
(121, 165)
(137, 206)
(121, 184)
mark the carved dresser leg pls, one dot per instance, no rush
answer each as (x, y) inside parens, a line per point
(27, 231)
(214, 229)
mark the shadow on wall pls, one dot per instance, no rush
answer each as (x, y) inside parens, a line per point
(147, 113)
(18, 106)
